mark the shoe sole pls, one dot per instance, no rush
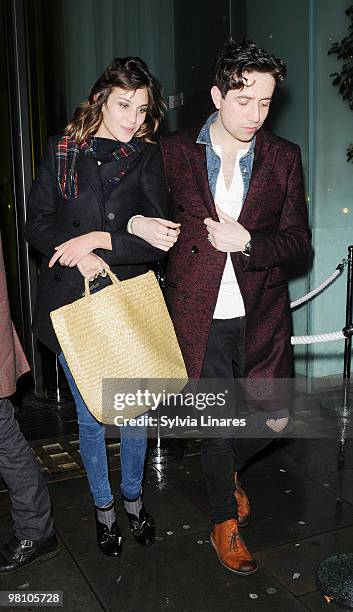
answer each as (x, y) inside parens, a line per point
(42, 558)
(230, 568)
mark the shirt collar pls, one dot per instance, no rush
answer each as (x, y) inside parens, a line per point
(204, 135)
(205, 138)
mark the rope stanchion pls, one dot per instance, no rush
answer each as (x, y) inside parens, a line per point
(321, 287)
(339, 567)
(348, 342)
(343, 407)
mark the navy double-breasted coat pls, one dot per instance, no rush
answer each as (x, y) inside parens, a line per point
(51, 220)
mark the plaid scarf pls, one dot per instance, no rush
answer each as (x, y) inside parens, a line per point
(68, 150)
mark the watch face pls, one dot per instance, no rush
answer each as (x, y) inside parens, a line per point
(247, 248)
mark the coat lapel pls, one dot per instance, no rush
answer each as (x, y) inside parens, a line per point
(264, 158)
(198, 171)
(265, 155)
(88, 168)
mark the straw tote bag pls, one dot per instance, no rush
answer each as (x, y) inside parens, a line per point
(124, 335)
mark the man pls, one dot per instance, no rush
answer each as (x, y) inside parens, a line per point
(34, 537)
(237, 192)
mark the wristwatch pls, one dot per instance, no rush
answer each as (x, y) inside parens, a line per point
(247, 248)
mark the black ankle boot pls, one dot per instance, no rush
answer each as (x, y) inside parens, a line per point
(110, 541)
(142, 527)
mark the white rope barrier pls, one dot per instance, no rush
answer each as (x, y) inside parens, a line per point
(324, 284)
(330, 337)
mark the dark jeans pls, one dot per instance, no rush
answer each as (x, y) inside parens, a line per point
(30, 501)
(222, 457)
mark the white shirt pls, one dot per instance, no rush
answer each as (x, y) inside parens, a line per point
(230, 302)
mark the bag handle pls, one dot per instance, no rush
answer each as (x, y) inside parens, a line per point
(112, 277)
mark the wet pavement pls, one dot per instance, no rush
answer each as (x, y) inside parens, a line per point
(302, 512)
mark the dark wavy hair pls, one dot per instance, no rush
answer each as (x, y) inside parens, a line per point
(237, 57)
(130, 74)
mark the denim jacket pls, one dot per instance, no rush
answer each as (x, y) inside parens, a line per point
(214, 162)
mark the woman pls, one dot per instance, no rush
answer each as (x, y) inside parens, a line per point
(105, 169)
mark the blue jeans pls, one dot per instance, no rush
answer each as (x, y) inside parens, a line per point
(133, 442)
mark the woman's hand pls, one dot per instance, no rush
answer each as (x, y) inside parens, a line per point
(160, 233)
(91, 266)
(71, 252)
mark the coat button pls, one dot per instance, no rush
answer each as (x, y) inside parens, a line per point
(181, 208)
(57, 277)
(111, 216)
(76, 222)
(194, 250)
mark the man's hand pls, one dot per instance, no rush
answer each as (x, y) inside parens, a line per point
(227, 235)
(71, 252)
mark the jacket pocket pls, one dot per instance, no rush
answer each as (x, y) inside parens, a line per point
(277, 277)
(172, 293)
(278, 283)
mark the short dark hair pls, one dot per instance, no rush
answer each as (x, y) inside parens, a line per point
(130, 74)
(237, 57)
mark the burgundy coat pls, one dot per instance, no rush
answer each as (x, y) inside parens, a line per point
(275, 214)
(13, 362)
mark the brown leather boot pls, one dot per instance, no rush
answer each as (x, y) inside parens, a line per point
(231, 550)
(242, 503)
